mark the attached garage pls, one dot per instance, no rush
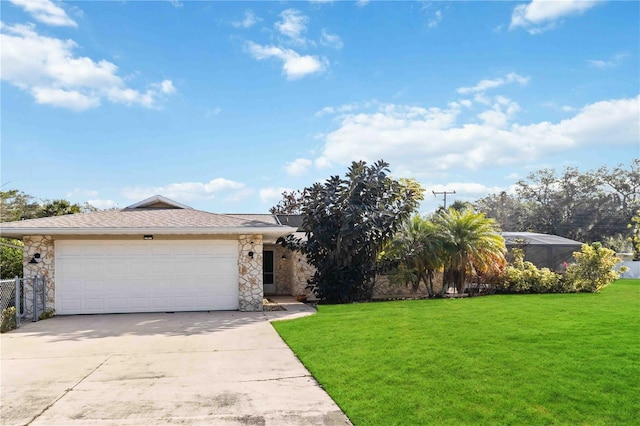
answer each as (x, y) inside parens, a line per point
(154, 256)
(110, 276)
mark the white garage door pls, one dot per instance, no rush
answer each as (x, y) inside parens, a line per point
(94, 277)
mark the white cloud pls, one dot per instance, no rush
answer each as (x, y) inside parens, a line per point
(293, 24)
(47, 68)
(541, 15)
(341, 109)
(298, 166)
(103, 204)
(250, 19)
(485, 85)
(167, 87)
(294, 65)
(428, 141)
(46, 12)
(611, 122)
(435, 19)
(332, 40)
(325, 111)
(272, 195)
(609, 63)
(82, 193)
(362, 3)
(187, 191)
(465, 189)
(212, 112)
(70, 99)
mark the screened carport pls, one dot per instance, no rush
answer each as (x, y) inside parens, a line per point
(544, 251)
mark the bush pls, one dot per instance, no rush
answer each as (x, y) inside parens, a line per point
(49, 313)
(524, 277)
(593, 269)
(8, 320)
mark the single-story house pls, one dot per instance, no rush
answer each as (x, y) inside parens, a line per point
(543, 250)
(158, 255)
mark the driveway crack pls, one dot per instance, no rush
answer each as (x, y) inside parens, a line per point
(276, 379)
(66, 391)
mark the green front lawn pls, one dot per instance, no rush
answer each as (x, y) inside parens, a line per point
(516, 359)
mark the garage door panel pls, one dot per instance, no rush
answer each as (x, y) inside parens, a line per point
(92, 268)
(93, 304)
(138, 268)
(162, 303)
(161, 267)
(93, 287)
(117, 271)
(115, 304)
(227, 301)
(141, 303)
(145, 276)
(71, 305)
(225, 269)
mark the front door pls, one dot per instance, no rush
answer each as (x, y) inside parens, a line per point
(268, 275)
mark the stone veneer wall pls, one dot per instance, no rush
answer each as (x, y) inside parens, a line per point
(301, 272)
(250, 273)
(44, 245)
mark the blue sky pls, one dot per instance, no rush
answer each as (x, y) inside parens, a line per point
(223, 105)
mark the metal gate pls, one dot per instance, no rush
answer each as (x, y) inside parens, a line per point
(12, 294)
(39, 295)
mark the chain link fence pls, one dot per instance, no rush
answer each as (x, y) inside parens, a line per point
(8, 293)
(12, 296)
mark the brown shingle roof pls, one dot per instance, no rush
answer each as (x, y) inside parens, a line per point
(156, 214)
(141, 220)
(257, 217)
(138, 218)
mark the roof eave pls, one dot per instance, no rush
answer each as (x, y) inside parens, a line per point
(272, 232)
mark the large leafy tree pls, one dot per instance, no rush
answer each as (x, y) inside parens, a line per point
(348, 221)
(10, 258)
(471, 243)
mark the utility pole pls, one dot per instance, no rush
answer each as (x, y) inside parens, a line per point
(444, 193)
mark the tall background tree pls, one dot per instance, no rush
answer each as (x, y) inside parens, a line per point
(291, 203)
(348, 221)
(16, 205)
(587, 206)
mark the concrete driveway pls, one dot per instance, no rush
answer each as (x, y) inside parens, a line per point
(223, 368)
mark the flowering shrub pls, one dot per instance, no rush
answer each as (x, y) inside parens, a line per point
(593, 269)
(524, 277)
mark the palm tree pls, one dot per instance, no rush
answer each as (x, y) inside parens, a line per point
(415, 252)
(471, 242)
